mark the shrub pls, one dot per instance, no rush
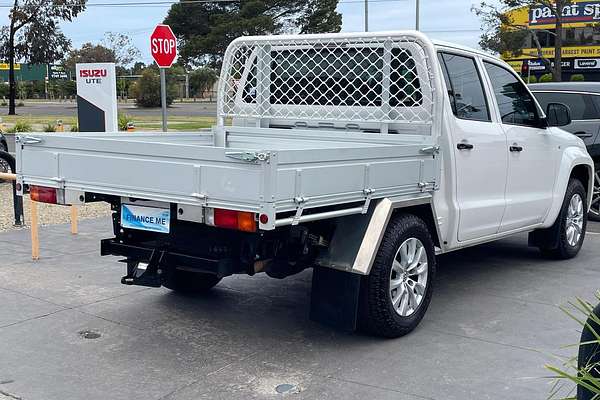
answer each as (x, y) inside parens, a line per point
(74, 128)
(50, 127)
(124, 119)
(202, 80)
(546, 78)
(532, 79)
(20, 126)
(20, 104)
(147, 90)
(582, 372)
(4, 103)
(577, 78)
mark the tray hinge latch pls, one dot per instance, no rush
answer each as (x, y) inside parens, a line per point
(250, 156)
(300, 202)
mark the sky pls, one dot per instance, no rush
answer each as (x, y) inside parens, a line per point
(449, 20)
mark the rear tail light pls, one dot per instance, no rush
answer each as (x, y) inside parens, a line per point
(43, 194)
(230, 219)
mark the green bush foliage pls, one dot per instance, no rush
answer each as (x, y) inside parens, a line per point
(577, 78)
(147, 90)
(20, 126)
(532, 79)
(572, 371)
(50, 127)
(546, 78)
(124, 119)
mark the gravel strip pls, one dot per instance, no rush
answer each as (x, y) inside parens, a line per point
(48, 214)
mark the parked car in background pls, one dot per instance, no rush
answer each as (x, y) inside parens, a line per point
(583, 98)
(3, 144)
(4, 166)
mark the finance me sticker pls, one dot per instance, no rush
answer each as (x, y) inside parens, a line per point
(145, 218)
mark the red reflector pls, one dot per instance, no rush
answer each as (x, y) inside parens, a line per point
(42, 194)
(264, 219)
(240, 220)
(226, 218)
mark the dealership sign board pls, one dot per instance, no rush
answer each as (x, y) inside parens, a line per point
(587, 11)
(97, 97)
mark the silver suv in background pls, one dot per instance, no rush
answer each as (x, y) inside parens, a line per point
(4, 165)
(583, 98)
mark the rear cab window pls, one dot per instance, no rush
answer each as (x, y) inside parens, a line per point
(516, 105)
(465, 88)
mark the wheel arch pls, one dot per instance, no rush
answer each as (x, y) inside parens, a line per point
(575, 163)
(357, 239)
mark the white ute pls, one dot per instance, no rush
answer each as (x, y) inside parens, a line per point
(362, 156)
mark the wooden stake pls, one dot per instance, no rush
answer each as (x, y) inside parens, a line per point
(35, 240)
(74, 220)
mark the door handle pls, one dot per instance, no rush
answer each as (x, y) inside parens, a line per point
(515, 148)
(583, 134)
(464, 146)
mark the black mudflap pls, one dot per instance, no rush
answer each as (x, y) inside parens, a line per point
(335, 298)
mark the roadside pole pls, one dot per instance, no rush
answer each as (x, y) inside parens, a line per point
(366, 15)
(163, 98)
(163, 47)
(418, 16)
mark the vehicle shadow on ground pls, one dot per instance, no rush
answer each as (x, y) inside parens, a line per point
(260, 306)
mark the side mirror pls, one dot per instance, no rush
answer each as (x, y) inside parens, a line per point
(558, 114)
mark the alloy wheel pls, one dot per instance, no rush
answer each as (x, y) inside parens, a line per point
(574, 225)
(408, 277)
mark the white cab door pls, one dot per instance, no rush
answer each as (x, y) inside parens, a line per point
(479, 147)
(532, 155)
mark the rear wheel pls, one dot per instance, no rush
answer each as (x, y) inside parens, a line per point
(398, 290)
(569, 228)
(594, 214)
(190, 282)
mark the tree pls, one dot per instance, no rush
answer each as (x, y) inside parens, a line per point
(147, 89)
(202, 80)
(320, 16)
(205, 29)
(89, 53)
(34, 34)
(503, 34)
(122, 47)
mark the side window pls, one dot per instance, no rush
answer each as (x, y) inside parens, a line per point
(464, 87)
(517, 106)
(581, 105)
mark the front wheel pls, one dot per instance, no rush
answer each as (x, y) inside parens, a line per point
(569, 228)
(398, 290)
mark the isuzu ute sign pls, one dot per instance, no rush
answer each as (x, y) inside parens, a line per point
(97, 97)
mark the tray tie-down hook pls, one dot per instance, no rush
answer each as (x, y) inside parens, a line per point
(150, 276)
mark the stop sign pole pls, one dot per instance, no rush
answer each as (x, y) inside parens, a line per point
(163, 46)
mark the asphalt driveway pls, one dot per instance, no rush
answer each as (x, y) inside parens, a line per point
(70, 330)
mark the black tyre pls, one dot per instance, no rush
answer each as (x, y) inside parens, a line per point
(397, 292)
(566, 236)
(589, 355)
(190, 282)
(594, 214)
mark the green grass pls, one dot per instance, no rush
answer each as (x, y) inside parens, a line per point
(145, 122)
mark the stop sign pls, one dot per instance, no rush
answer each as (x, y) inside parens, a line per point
(163, 46)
